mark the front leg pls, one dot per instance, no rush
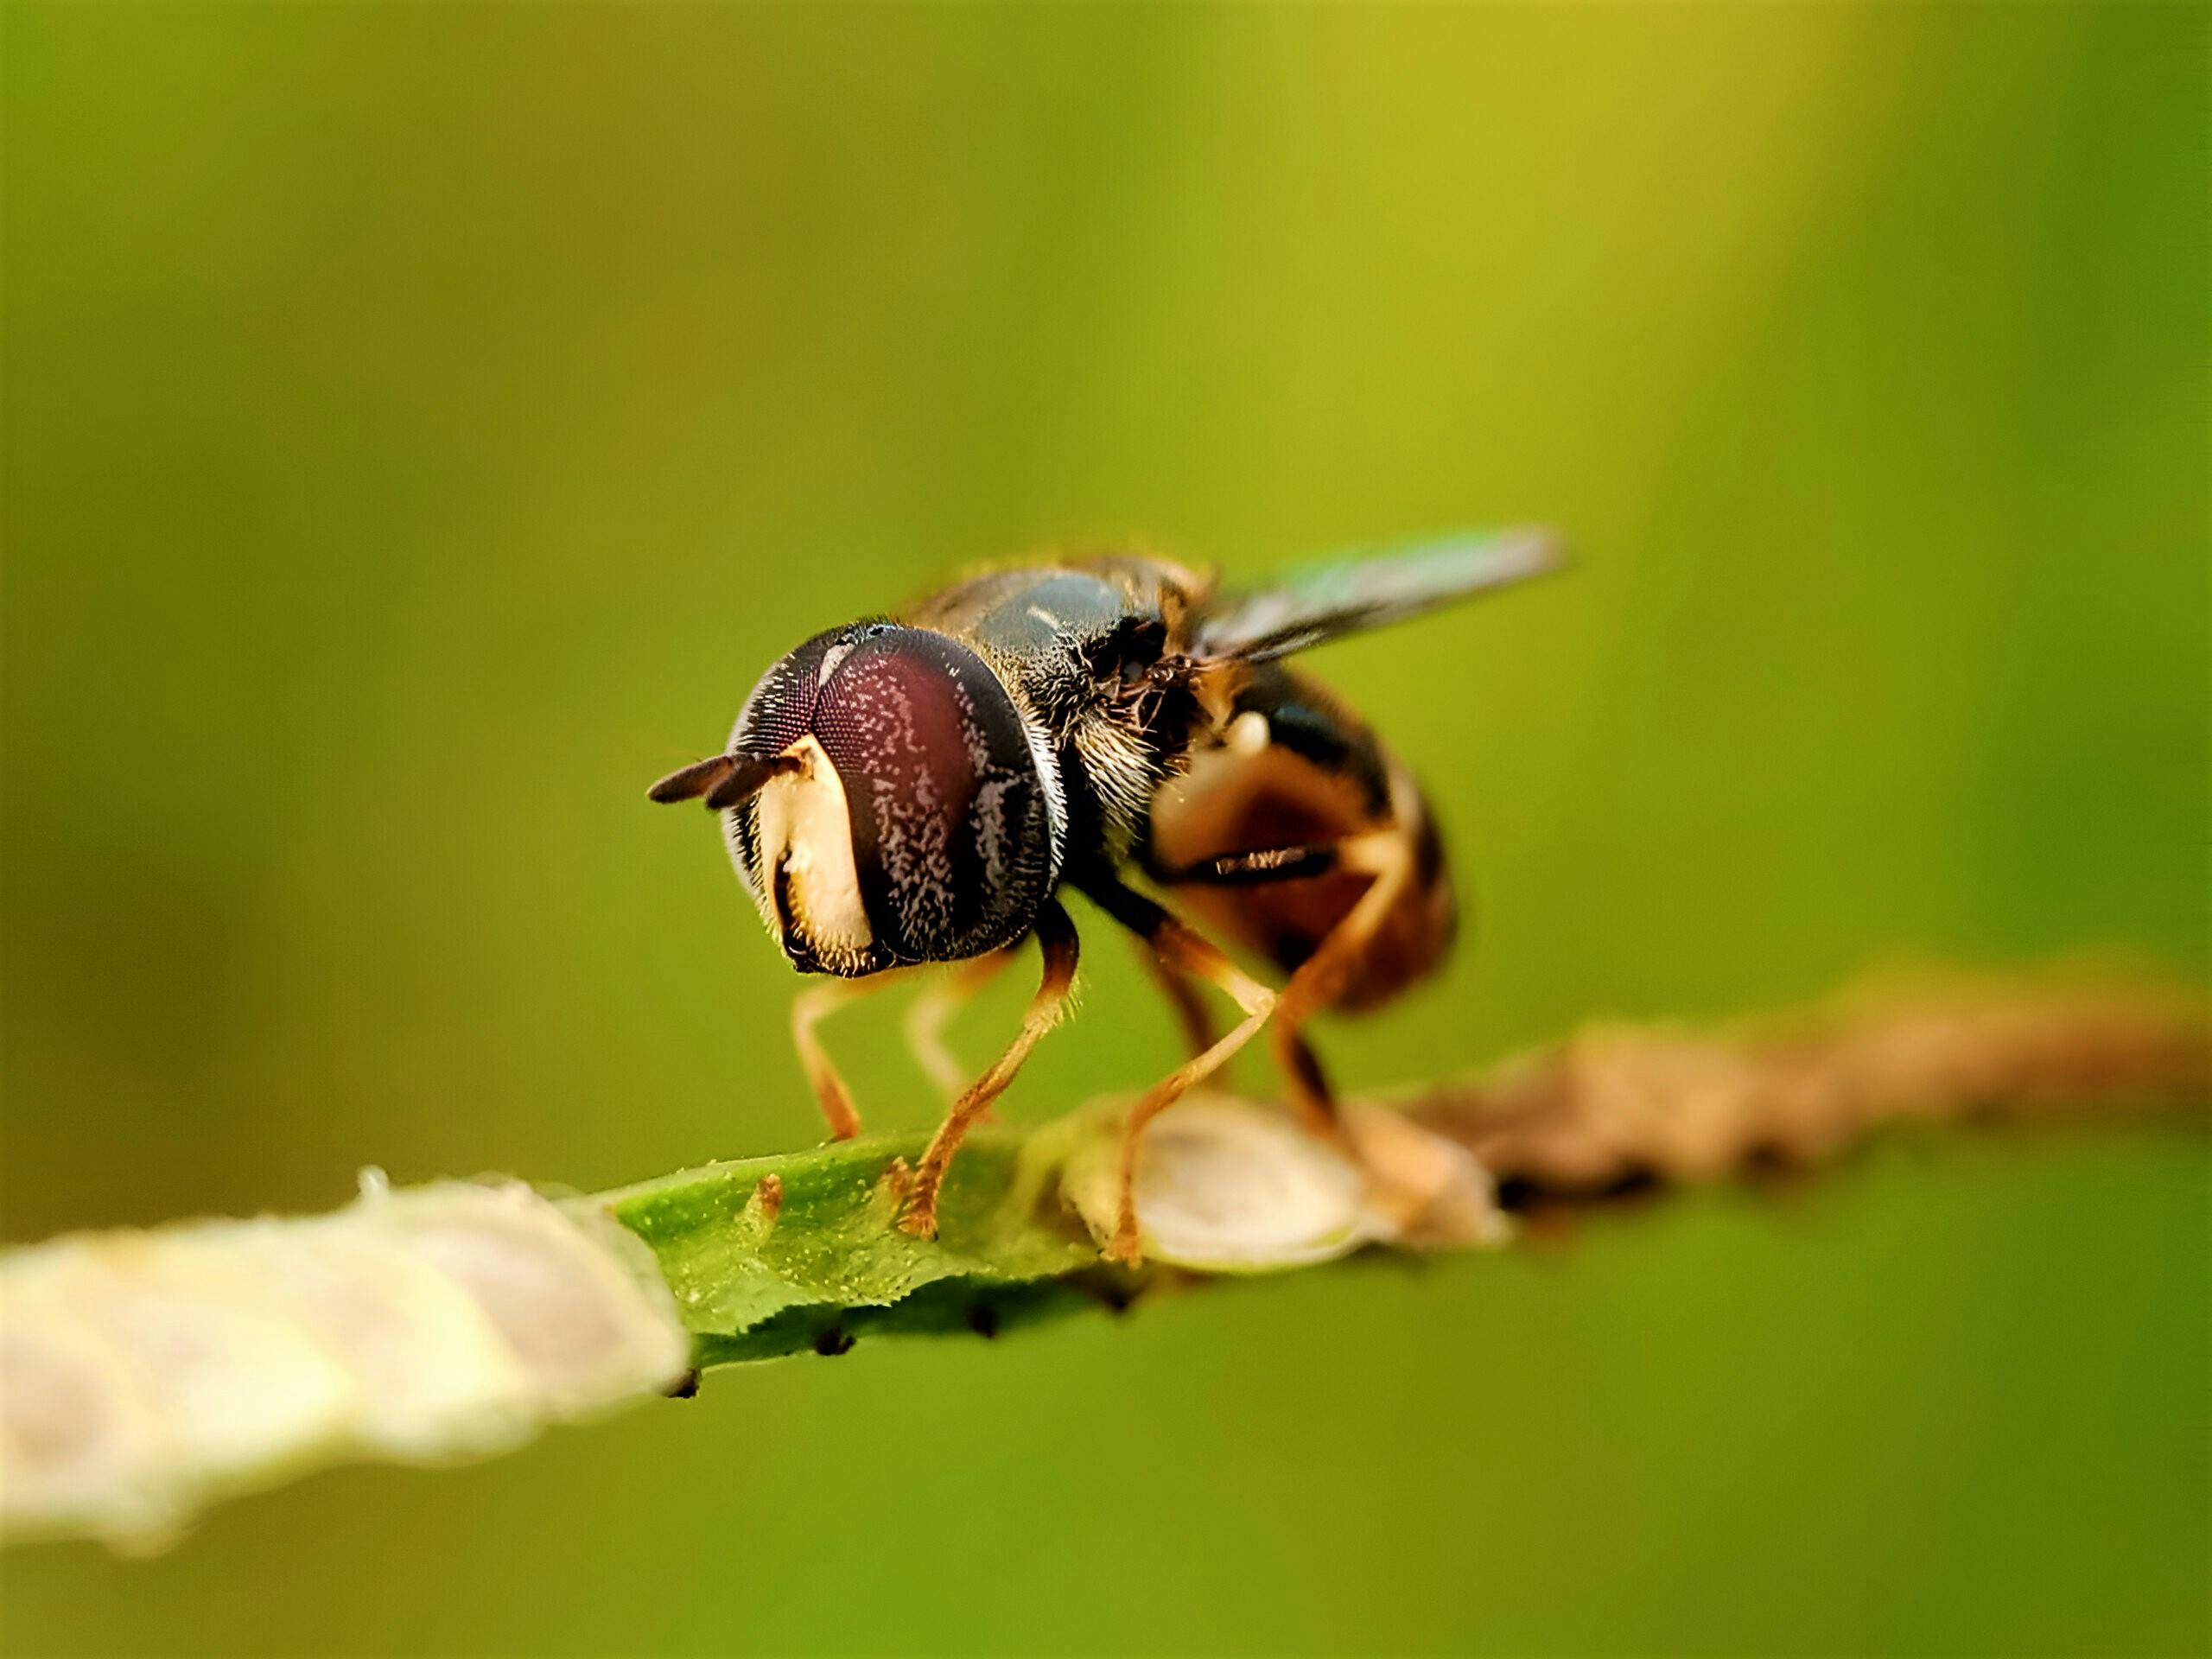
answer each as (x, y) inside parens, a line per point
(1056, 941)
(808, 1009)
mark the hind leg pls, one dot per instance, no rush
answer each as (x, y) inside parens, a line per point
(1181, 951)
(1311, 1095)
(1386, 855)
(1389, 856)
(1182, 993)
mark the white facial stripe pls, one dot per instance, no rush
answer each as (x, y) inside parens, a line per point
(806, 831)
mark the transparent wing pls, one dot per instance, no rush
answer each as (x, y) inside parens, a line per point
(1368, 589)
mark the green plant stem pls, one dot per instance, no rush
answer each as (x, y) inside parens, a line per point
(144, 1375)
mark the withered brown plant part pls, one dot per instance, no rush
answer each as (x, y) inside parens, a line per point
(1615, 1108)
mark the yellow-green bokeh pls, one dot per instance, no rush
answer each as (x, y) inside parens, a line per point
(422, 424)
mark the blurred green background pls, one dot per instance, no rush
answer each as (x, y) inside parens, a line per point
(423, 424)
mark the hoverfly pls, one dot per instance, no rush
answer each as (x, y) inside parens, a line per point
(905, 791)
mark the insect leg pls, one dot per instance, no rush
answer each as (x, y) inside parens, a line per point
(1309, 1084)
(1388, 855)
(1311, 1092)
(808, 1009)
(931, 1012)
(1056, 941)
(1183, 996)
(1183, 951)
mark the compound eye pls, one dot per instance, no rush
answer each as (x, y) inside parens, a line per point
(952, 838)
(780, 711)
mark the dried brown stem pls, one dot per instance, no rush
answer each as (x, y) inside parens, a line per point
(1613, 1110)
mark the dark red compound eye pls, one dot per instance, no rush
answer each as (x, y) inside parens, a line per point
(952, 835)
(780, 711)
(954, 843)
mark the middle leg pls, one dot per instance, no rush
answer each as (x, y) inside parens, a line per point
(931, 1012)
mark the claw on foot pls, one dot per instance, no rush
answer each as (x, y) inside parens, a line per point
(1125, 1249)
(920, 1218)
(897, 1180)
(913, 1202)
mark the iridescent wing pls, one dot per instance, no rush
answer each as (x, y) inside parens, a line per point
(1360, 590)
